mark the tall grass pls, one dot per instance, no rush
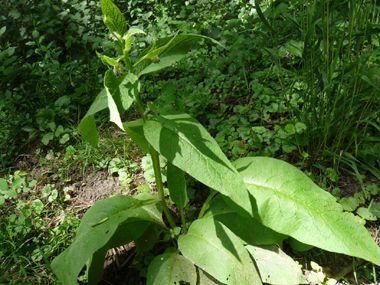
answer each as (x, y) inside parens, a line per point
(339, 75)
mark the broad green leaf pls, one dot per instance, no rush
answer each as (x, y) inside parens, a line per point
(125, 233)
(118, 23)
(290, 129)
(120, 91)
(169, 50)
(297, 245)
(91, 236)
(275, 266)
(47, 138)
(250, 230)
(177, 186)
(97, 227)
(215, 249)
(38, 206)
(144, 188)
(171, 268)
(136, 132)
(366, 214)
(118, 99)
(3, 184)
(206, 279)
(288, 202)
(2, 30)
(87, 126)
(12, 193)
(147, 240)
(184, 142)
(52, 126)
(18, 182)
(349, 204)
(375, 209)
(59, 131)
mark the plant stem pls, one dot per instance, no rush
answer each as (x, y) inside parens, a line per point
(156, 167)
(205, 205)
(183, 219)
(159, 185)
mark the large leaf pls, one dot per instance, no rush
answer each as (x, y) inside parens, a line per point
(250, 230)
(171, 268)
(97, 228)
(132, 229)
(147, 240)
(275, 266)
(206, 279)
(114, 19)
(290, 203)
(136, 132)
(118, 97)
(120, 92)
(169, 50)
(184, 142)
(125, 233)
(177, 186)
(214, 248)
(87, 126)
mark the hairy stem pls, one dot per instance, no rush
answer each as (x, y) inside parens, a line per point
(160, 187)
(156, 167)
(205, 205)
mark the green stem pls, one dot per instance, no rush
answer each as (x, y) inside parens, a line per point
(205, 205)
(156, 167)
(159, 185)
(128, 63)
(183, 219)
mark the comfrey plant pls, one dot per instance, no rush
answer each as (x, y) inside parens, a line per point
(237, 237)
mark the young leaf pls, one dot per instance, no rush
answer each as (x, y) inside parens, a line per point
(169, 50)
(108, 60)
(290, 203)
(250, 230)
(177, 186)
(128, 38)
(215, 249)
(184, 142)
(114, 19)
(171, 268)
(275, 266)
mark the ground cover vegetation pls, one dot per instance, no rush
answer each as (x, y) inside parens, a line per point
(293, 80)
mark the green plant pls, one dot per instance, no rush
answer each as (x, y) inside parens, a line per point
(337, 78)
(27, 240)
(260, 201)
